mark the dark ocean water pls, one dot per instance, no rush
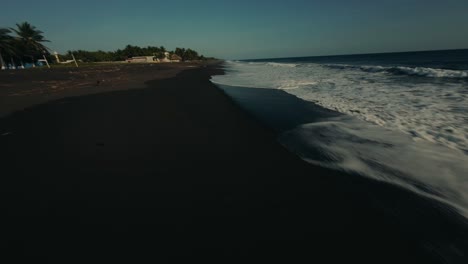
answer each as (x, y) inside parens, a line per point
(401, 118)
(445, 59)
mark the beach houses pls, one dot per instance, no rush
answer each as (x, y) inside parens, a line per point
(142, 59)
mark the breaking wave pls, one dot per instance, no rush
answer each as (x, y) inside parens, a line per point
(411, 71)
(410, 131)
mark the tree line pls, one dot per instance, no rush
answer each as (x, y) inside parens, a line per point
(25, 44)
(133, 51)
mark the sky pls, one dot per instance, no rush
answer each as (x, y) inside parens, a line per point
(247, 29)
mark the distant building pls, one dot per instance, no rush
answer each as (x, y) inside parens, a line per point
(166, 57)
(146, 59)
(142, 59)
(175, 58)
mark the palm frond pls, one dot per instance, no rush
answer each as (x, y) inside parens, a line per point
(30, 38)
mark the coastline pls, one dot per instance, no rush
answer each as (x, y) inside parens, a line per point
(176, 170)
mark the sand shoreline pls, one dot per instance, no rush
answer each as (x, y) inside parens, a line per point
(176, 171)
(21, 89)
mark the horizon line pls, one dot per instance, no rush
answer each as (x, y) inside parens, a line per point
(354, 54)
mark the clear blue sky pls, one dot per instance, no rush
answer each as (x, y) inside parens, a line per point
(242, 29)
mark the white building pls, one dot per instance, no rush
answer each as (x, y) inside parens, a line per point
(142, 59)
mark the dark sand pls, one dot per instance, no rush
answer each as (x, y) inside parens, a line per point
(176, 172)
(22, 88)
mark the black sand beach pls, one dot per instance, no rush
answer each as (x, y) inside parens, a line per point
(174, 171)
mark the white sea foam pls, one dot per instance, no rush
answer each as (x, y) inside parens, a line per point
(291, 65)
(436, 112)
(413, 71)
(436, 73)
(409, 131)
(356, 146)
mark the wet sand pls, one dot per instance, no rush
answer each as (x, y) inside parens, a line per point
(171, 170)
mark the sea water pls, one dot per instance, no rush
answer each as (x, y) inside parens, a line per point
(402, 117)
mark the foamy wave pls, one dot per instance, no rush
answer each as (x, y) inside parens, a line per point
(290, 65)
(274, 64)
(430, 111)
(349, 144)
(430, 72)
(430, 153)
(293, 84)
(410, 132)
(412, 71)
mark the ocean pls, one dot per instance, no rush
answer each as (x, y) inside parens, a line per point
(401, 118)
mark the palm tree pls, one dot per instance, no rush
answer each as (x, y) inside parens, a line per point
(30, 39)
(6, 45)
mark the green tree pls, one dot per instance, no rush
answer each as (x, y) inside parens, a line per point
(180, 52)
(6, 45)
(187, 54)
(29, 40)
(133, 51)
(190, 55)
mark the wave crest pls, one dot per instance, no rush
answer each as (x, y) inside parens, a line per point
(276, 64)
(411, 71)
